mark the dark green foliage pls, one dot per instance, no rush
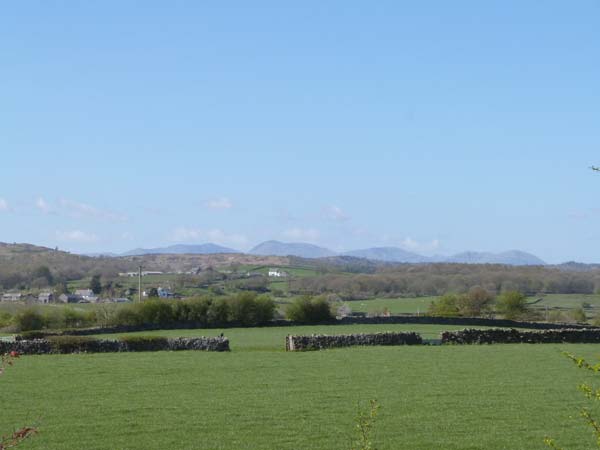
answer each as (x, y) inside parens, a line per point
(218, 312)
(248, 308)
(126, 316)
(96, 284)
(308, 309)
(155, 311)
(29, 319)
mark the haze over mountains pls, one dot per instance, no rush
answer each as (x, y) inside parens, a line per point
(386, 254)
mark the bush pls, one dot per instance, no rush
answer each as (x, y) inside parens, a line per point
(218, 312)
(5, 319)
(250, 309)
(446, 306)
(126, 316)
(309, 310)
(145, 343)
(512, 305)
(155, 311)
(29, 319)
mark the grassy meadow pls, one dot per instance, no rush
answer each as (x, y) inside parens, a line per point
(259, 397)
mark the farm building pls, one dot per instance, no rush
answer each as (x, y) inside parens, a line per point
(84, 293)
(278, 273)
(46, 297)
(69, 298)
(11, 297)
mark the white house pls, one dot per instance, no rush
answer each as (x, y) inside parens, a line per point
(85, 294)
(11, 297)
(278, 273)
(46, 297)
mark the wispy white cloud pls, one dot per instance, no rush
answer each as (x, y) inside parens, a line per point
(219, 203)
(302, 234)
(4, 206)
(215, 235)
(44, 206)
(76, 236)
(335, 213)
(415, 246)
(83, 210)
(78, 210)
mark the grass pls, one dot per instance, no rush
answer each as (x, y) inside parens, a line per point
(272, 339)
(398, 305)
(450, 397)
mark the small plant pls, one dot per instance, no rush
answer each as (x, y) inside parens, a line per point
(591, 393)
(364, 426)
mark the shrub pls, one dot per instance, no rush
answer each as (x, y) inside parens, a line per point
(198, 310)
(126, 316)
(446, 306)
(5, 319)
(218, 312)
(29, 319)
(155, 311)
(512, 305)
(309, 310)
(250, 309)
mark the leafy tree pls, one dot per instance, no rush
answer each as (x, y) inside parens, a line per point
(309, 310)
(96, 284)
(445, 306)
(475, 303)
(511, 304)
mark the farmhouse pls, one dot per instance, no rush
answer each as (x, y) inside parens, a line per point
(278, 273)
(86, 294)
(69, 298)
(11, 297)
(164, 293)
(46, 297)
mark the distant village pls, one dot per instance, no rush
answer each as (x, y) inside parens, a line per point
(88, 295)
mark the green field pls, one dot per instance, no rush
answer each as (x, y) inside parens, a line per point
(259, 397)
(400, 305)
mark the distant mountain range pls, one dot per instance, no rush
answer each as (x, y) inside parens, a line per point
(277, 248)
(181, 249)
(385, 254)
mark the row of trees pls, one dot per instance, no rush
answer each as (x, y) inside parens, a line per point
(438, 279)
(478, 302)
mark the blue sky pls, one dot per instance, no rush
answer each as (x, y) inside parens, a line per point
(435, 126)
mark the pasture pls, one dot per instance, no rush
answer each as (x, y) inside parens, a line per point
(259, 397)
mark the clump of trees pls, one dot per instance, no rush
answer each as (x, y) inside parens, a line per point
(477, 302)
(309, 309)
(245, 309)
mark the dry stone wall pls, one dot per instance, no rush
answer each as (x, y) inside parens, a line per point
(88, 345)
(512, 336)
(319, 342)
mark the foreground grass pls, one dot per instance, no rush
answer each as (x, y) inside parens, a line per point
(450, 397)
